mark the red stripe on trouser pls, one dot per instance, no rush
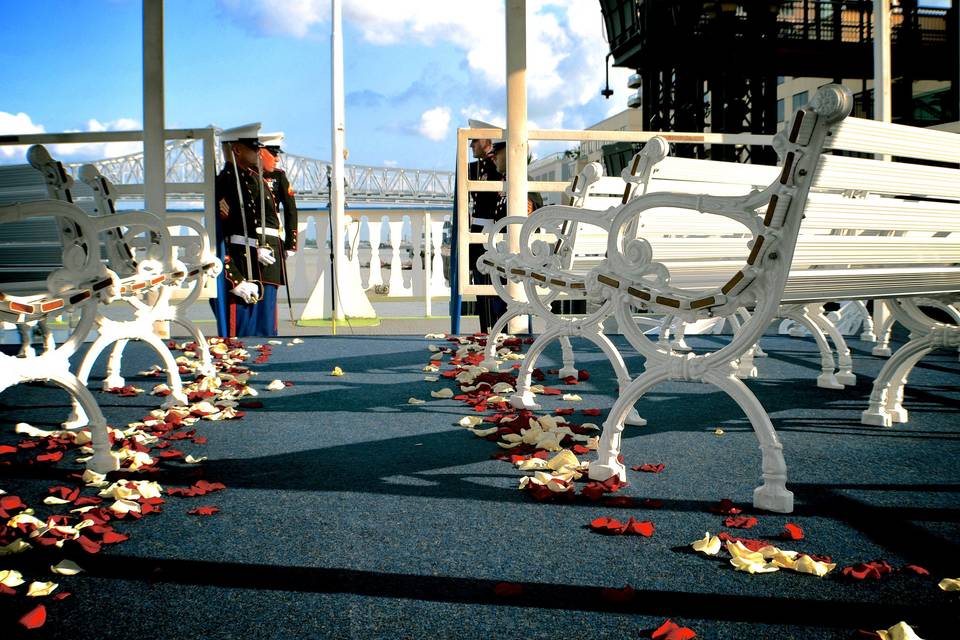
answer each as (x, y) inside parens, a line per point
(232, 329)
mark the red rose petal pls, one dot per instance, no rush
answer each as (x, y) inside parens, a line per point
(570, 380)
(507, 590)
(740, 522)
(565, 411)
(5, 448)
(7, 591)
(726, 507)
(579, 449)
(650, 468)
(88, 545)
(920, 571)
(54, 456)
(35, 618)
(626, 594)
(644, 528)
(550, 391)
(590, 412)
(114, 537)
(204, 511)
(61, 595)
(669, 630)
(583, 375)
(599, 523)
(792, 532)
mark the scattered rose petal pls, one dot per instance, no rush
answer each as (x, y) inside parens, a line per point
(35, 618)
(276, 385)
(709, 545)
(899, 631)
(725, 507)
(337, 371)
(624, 594)
(740, 522)
(718, 432)
(416, 401)
(670, 630)
(571, 397)
(204, 511)
(442, 393)
(792, 532)
(39, 589)
(650, 468)
(507, 590)
(66, 568)
(11, 578)
(949, 584)
(913, 568)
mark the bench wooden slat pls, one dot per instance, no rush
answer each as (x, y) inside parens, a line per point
(892, 178)
(871, 136)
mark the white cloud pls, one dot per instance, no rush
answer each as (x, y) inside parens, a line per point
(566, 45)
(22, 123)
(288, 18)
(434, 123)
(391, 163)
(11, 124)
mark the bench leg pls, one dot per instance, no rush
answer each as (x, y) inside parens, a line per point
(773, 494)
(176, 397)
(568, 370)
(844, 373)
(114, 362)
(490, 362)
(827, 378)
(103, 460)
(619, 369)
(608, 462)
(207, 368)
(523, 398)
(887, 396)
(867, 330)
(884, 324)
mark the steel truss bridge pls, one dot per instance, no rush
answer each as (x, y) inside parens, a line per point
(309, 177)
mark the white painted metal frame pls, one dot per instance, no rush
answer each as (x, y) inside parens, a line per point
(81, 285)
(779, 268)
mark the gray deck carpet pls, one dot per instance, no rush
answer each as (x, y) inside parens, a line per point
(350, 513)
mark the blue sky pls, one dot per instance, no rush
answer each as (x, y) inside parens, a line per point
(415, 70)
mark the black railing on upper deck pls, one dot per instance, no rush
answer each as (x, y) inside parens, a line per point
(812, 20)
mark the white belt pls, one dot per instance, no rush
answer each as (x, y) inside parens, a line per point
(272, 232)
(244, 241)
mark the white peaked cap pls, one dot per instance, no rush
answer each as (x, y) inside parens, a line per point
(271, 139)
(243, 133)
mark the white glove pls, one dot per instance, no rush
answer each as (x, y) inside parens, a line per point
(247, 291)
(265, 256)
(291, 253)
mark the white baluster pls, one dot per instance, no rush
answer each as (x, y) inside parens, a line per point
(396, 268)
(438, 285)
(376, 277)
(417, 280)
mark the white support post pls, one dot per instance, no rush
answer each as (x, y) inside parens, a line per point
(154, 158)
(337, 146)
(516, 25)
(882, 110)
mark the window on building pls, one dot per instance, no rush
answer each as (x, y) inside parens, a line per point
(780, 110)
(779, 79)
(800, 100)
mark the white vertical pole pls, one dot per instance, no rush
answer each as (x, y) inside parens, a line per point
(881, 61)
(516, 25)
(154, 160)
(336, 181)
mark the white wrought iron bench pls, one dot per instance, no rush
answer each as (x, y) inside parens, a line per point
(80, 283)
(155, 268)
(575, 247)
(787, 262)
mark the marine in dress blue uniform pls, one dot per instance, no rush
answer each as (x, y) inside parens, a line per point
(245, 207)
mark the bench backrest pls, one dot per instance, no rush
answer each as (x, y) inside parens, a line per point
(31, 249)
(871, 228)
